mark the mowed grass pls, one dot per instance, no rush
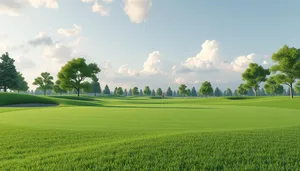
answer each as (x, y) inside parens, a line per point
(151, 134)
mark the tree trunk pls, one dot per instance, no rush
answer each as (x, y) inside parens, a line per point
(5, 89)
(291, 91)
(78, 90)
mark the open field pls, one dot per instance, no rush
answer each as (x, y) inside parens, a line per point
(145, 134)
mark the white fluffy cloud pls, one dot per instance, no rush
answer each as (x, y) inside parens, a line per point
(99, 8)
(107, 1)
(41, 39)
(153, 63)
(242, 62)
(70, 32)
(137, 10)
(179, 80)
(127, 71)
(44, 3)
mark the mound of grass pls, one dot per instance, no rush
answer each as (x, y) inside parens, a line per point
(240, 98)
(12, 98)
(75, 98)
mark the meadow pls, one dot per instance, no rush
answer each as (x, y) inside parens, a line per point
(143, 133)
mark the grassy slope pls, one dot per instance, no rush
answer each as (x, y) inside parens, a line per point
(137, 133)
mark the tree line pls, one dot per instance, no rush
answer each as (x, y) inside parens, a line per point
(73, 78)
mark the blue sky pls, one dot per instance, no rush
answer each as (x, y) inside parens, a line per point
(151, 41)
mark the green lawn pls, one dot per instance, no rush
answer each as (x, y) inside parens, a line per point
(151, 134)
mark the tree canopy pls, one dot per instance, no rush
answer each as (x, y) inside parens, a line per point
(44, 82)
(75, 72)
(182, 90)
(254, 75)
(135, 91)
(106, 90)
(96, 86)
(206, 89)
(194, 92)
(287, 66)
(120, 91)
(273, 87)
(21, 84)
(159, 92)
(218, 92)
(57, 88)
(8, 73)
(242, 90)
(169, 92)
(147, 91)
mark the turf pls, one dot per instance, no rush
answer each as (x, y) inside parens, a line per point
(151, 134)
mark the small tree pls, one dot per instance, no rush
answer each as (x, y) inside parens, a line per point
(75, 72)
(254, 75)
(206, 89)
(120, 91)
(21, 84)
(272, 87)
(147, 91)
(141, 92)
(242, 90)
(174, 93)
(44, 82)
(159, 92)
(125, 92)
(87, 87)
(57, 88)
(135, 91)
(96, 86)
(115, 91)
(153, 93)
(218, 92)
(235, 93)
(169, 92)
(182, 90)
(193, 93)
(8, 73)
(130, 92)
(188, 92)
(106, 90)
(228, 92)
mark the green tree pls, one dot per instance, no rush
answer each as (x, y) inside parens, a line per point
(57, 88)
(87, 87)
(188, 92)
(235, 93)
(182, 90)
(193, 93)
(217, 92)
(106, 90)
(135, 91)
(130, 92)
(147, 91)
(159, 92)
(272, 87)
(174, 93)
(21, 84)
(206, 89)
(254, 75)
(287, 66)
(242, 90)
(96, 86)
(125, 92)
(141, 92)
(228, 92)
(169, 92)
(153, 93)
(75, 72)
(44, 82)
(115, 91)
(120, 91)
(8, 73)
(297, 87)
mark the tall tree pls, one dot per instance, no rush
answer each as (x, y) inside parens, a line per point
(194, 92)
(287, 67)
(130, 92)
(174, 93)
(147, 91)
(141, 92)
(75, 72)
(57, 88)
(206, 89)
(254, 75)
(273, 87)
(235, 93)
(153, 93)
(87, 87)
(228, 92)
(169, 92)
(135, 91)
(242, 90)
(21, 84)
(44, 82)
(115, 91)
(96, 86)
(125, 92)
(188, 92)
(182, 90)
(120, 91)
(106, 90)
(217, 92)
(159, 92)
(8, 72)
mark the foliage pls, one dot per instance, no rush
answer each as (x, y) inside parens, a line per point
(297, 87)
(141, 92)
(135, 91)
(130, 92)
(44, 82)
(242, 90)
(147, 91)
(87, 87)
(21, 84)
(169, 92)
(153, 93)
(174, 93)
(218, 92)
(106, 90)
(288, 65)
(120, 91)
(115, 91)
(193, 92)
(254, 75)
(188, 92)
(228, 92)
(272, 87)
(206, 89)
(182, 89)
(75, 72)
(57, 88)
(8, 73)
(96, 86)
(125, 92)
(159, 92)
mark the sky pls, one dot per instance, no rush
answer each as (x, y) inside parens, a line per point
(160, 43)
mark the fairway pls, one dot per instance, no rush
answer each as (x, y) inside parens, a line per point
(146, 134)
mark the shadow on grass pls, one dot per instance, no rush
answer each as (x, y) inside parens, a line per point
(241, 98)
(75, 98)
(158, 107)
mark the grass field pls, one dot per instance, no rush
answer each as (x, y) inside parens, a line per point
(150, 134)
